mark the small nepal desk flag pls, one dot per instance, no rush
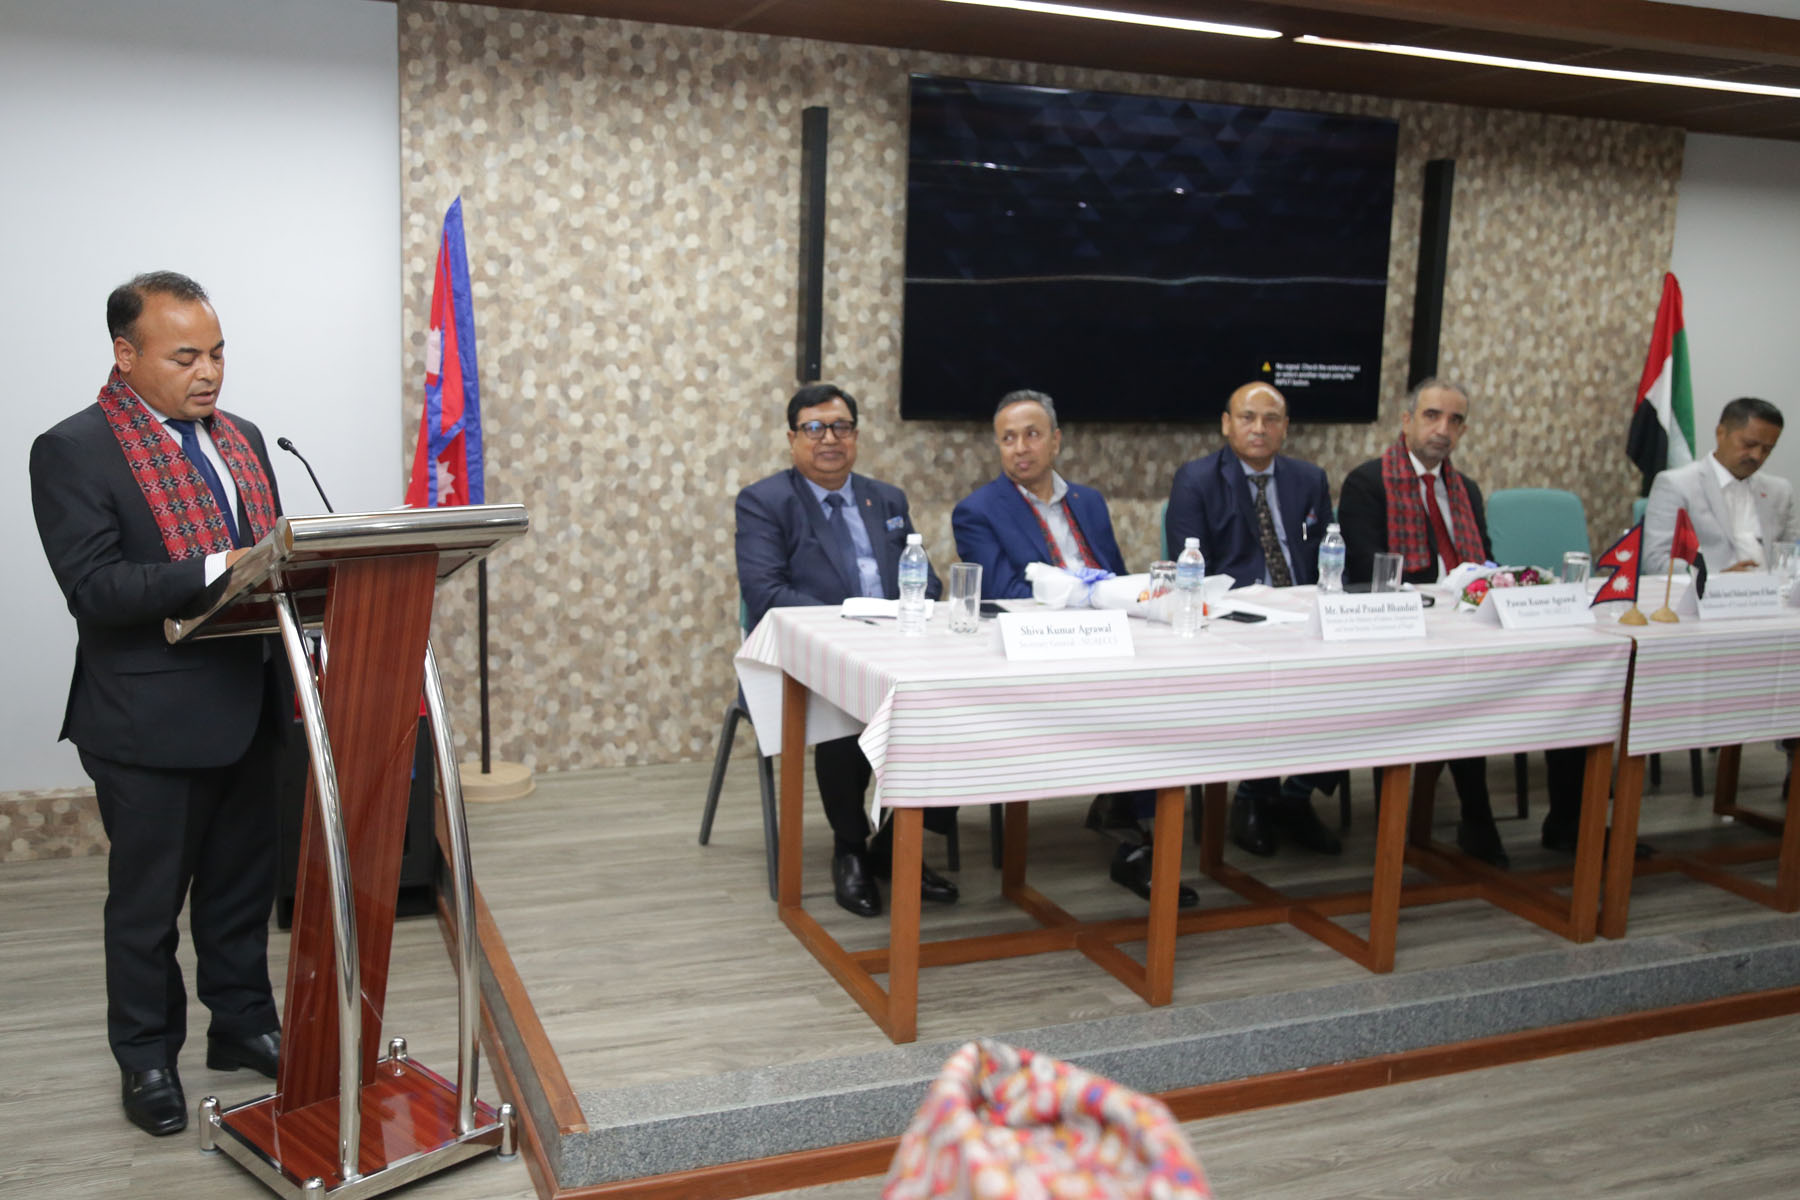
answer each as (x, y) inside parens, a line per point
(1623, 557)
(447, 464)
(1684, 544)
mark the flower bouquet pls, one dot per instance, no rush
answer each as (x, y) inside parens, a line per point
(1475, 590)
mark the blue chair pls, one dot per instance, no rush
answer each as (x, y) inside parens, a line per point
(1535, 527)
(765, 773)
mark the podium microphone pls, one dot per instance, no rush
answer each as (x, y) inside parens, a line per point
(285, 444)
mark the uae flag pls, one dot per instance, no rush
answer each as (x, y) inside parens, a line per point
(1662, 425)
(1623, 558)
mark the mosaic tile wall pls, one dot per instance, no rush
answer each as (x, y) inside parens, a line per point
(630, 195)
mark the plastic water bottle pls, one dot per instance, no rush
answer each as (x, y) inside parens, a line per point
(1331, 560)
(915, 569)
(1190, 594)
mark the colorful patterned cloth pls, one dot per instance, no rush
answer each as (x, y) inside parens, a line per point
(186, 513)
(1407, 520)
(1007, 1124)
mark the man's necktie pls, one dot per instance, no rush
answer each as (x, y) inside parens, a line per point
(190, 446)
(840, 532)
(1279, 575)
(1439, 531)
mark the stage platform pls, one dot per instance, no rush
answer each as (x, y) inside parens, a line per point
(660, 1021)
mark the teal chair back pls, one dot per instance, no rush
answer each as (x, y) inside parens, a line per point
(1162, 518)
(1534, 527)
(1637, 508)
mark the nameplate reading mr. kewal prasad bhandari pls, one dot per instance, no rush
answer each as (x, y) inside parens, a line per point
(1368, 616)
(1080, 633)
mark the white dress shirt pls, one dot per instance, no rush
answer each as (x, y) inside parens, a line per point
(1056, 519)
(1740, 501)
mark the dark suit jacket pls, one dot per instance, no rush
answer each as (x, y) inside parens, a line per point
(1362, 515)
(1211, 500)
(786, 557)
(995, 527)
(135, 698)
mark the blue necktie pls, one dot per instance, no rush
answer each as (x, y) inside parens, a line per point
(834, 517)
(190, 446)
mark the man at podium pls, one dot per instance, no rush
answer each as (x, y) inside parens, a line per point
(143, 500)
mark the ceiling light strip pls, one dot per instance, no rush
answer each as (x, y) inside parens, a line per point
(1550, 68)
(1127, 18)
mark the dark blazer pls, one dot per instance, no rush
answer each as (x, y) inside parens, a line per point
(995, 527)
(786, 557)
(1211, 500)
(1362, 515)
(134, 698)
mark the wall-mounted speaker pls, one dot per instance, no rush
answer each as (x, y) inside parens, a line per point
(1434, 252)
(810, 327)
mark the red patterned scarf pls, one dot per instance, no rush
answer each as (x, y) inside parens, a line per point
(1081, 544)
(1409, 525)
(186, 514)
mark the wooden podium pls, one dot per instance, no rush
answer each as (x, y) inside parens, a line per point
(344, 1120)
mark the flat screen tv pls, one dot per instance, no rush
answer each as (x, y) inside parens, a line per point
(1139, 257)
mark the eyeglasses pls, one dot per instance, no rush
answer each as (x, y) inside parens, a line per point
(816, 430)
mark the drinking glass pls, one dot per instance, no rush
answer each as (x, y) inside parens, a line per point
(965, 597)
(1575, 567)
(1158, 596)
(1385, 576)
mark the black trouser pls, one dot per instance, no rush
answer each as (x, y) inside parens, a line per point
(1563, 772)
(208, 835)
(843, 774)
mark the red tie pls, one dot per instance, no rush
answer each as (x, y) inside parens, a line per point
(1439, 531)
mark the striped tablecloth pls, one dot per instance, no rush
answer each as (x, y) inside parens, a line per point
(946, 719)
(1713, 683)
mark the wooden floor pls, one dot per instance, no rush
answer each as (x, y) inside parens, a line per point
(653, 958)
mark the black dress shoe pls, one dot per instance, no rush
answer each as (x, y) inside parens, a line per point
(1131, 869)
(854, 885)
(1481, 840)
(1300, 825)
(260, 1053)
(154, 1101)
(932, 886)
(1251, 826)
(1561, 840)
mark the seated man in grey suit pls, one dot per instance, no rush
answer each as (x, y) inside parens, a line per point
(1735, 508)
(1259, 516)
(817, 533)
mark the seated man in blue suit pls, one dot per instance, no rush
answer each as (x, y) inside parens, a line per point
(1259, 516)
(817, 533)
(1032, 514)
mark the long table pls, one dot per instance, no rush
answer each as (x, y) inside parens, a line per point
(1708, 684)
(947, 720)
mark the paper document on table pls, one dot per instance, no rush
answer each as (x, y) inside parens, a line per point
(875, 606)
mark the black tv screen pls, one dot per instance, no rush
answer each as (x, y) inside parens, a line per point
(1139, 257)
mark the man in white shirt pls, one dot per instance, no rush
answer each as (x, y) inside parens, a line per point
(1737, 510)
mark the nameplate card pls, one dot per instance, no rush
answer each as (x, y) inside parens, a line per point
(1733, 594)
(1546, 606)
(1368, 616)
(1077, 633)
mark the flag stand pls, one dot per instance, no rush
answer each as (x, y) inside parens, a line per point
(490, 782)
(1665, 614)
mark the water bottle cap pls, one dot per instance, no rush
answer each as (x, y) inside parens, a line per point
(1333, 528)
(1192, 544)
(915, 539)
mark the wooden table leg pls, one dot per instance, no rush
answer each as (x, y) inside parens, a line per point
(1390, 865)
(903, 925)
(1165, 888)
(1621, 852)
(1590, 834)
(1725, 778)
(793, 789)
(1787, 870)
